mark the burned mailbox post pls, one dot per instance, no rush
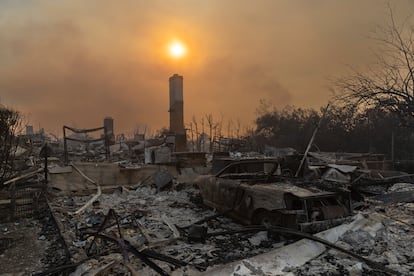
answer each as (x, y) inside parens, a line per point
(45, 152)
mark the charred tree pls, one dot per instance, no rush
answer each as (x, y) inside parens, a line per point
(389, 82)
(10, 122)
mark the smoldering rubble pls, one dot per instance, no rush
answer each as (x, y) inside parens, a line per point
(242, 213)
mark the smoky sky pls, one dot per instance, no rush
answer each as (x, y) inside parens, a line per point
(75, 62)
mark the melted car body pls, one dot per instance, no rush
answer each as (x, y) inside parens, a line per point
(255, 192)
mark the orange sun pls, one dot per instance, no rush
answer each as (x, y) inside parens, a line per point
(177, 49)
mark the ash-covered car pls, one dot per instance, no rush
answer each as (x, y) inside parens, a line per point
(256, 192)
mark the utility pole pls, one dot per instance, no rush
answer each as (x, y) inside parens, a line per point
(311, 141)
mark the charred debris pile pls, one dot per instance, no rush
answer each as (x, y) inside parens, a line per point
(135, 209)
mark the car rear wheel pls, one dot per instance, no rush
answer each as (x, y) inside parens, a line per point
(268, 218)
(265, 217)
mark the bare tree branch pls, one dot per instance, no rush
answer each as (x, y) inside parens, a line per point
(389, 83)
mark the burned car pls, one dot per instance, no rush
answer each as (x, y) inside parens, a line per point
(256, 192)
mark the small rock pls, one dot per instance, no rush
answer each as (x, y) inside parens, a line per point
(79, 244)
(391, 257)
(355, 270)
(42, 238)
(257, 239)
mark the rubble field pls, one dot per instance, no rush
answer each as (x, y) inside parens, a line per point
(106, 219)
(157, 221)
(391, 245)
(143, 215)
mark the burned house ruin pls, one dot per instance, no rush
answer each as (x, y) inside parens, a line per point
(120, 206)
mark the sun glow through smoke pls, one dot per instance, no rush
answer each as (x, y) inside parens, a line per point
(177, 49)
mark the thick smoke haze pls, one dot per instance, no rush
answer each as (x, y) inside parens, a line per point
(75, 62)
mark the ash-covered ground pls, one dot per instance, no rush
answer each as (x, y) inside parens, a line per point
(31, 245)
(142, 212)
(34, 245)
(391, 245)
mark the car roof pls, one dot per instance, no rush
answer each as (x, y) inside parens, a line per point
(249, 161)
